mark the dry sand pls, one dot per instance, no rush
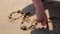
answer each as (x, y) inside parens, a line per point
(6, 7)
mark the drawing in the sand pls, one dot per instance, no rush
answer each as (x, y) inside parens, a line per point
(25, 18)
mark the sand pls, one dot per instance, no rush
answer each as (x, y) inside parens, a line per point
(8, 6)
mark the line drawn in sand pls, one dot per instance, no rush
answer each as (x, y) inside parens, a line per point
(25, 17)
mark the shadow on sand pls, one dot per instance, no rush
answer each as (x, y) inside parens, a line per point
(54, 12)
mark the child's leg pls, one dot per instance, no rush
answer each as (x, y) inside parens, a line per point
(40, 14)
